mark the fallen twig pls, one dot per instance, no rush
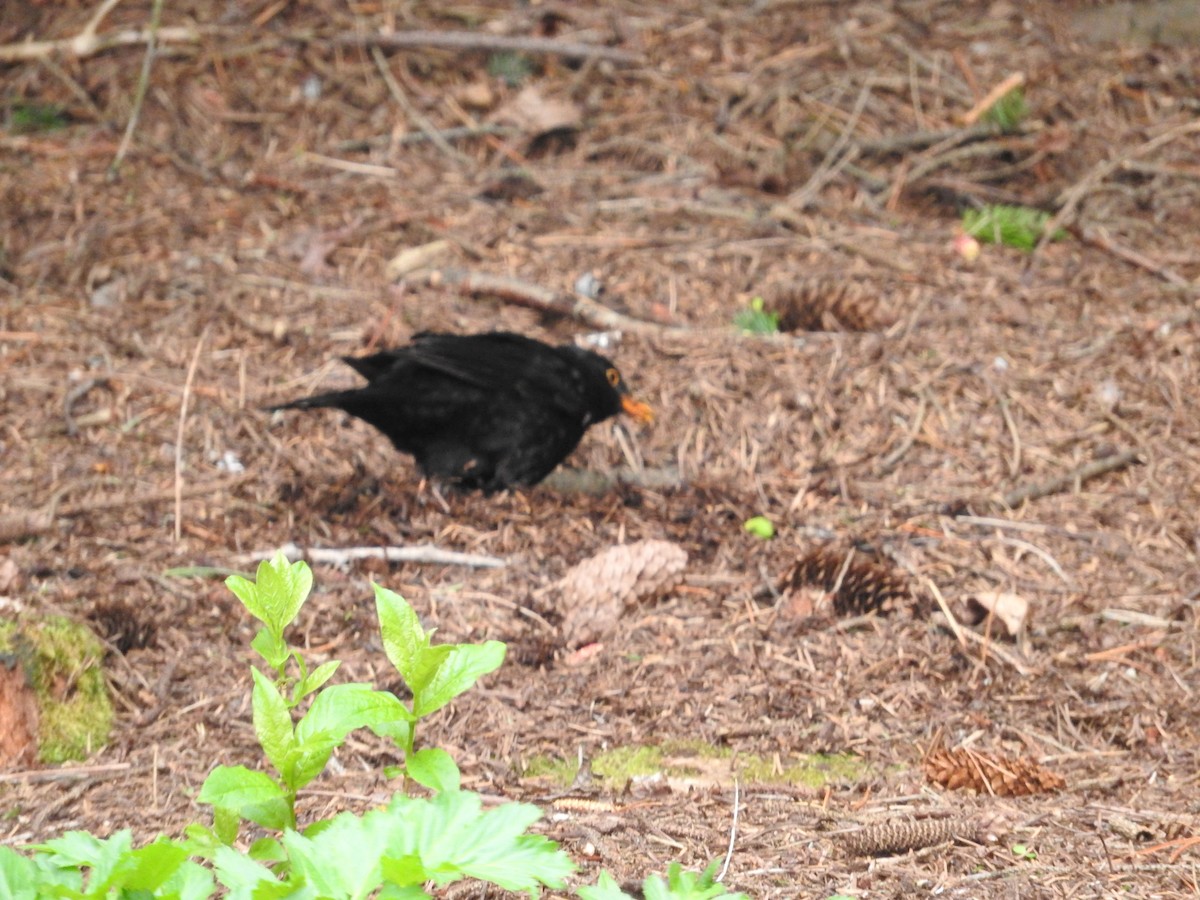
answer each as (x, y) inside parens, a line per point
(1012, 82)
(89, 43)
(67, 773)
(413, 114)
(524, 293)
(1078, 475)
(183, 405)
(476, 40)
(16, 526)
(140, 93)
(1070, 199)
(343, 556)
(1100, 239)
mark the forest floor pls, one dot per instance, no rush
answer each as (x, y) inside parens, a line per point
(930, 428)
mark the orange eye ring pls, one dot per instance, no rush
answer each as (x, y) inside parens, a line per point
(613, 376)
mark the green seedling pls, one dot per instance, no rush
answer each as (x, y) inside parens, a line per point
(1013, 226)
(1009, 111)
(760, 527)
(300, 719)
(756, 319)
(680, 885)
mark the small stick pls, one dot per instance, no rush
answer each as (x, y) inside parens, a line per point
(22, 525)
(524, 293)
(945, 608)
(183, 405)
(343, 556)
(1099, 238)
(1079, 474)
(74, 773)
(1070, 199)
(474, 40)
(732, 831)
(414, 115)
(140, 94)
(1012, 82)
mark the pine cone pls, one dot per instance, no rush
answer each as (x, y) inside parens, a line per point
(987, 773)
(861, 587)
(596, 592)
(822, 304)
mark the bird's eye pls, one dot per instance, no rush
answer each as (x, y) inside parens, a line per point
(613, 376)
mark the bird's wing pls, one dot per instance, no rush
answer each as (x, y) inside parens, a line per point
(499, 361)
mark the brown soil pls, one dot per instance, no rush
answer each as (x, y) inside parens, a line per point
(943, 424)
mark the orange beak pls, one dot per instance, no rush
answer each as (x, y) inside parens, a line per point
(636, 408)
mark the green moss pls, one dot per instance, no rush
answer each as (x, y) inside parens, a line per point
(813, 770)
(63, 659)
(559, 771)
(618, 765)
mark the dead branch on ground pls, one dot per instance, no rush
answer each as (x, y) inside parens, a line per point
(1078, 475)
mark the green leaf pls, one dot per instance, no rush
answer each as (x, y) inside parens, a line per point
(452, 838)
(277, 592)
(252, 795)
(271, 647)
(605, 888)
(1009, 111)
(155, 863)
(434, 768)
(403, 871)
(457, 672)
(343, 860)
(28, 118)
(337, 711)
(405, 642)
(191, 881)
(398, 731)
(241, 874)
(110, 860)
(18, 876)
(313, 682)
(273, 724)
(1013, 226)
(760, 526)
(755, 319)
(680, 885)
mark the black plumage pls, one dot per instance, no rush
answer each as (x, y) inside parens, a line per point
(486, 411)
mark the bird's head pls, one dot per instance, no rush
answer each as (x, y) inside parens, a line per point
(604, 388)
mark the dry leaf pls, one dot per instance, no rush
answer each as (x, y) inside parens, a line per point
(410, 259)
(1010, 610)
(531, 112)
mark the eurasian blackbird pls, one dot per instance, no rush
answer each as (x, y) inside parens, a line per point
(484, 410)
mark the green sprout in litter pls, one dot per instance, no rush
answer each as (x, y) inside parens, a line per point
(1024, 852)
(511, 68)
(1013, 226)
(29, 118)
(757, 320)
(760, 527)
(1009, 111)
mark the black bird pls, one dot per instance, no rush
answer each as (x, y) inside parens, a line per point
(484, 410)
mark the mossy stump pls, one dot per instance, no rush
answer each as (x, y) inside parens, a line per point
(54, 704)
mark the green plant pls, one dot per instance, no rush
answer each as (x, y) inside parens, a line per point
(511, 68)
(1014, 226)
(680, 885)
(1009, 111)
(760, 527)
(30, 118)
(755, 319)
(1024, 852)
(389, 853)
